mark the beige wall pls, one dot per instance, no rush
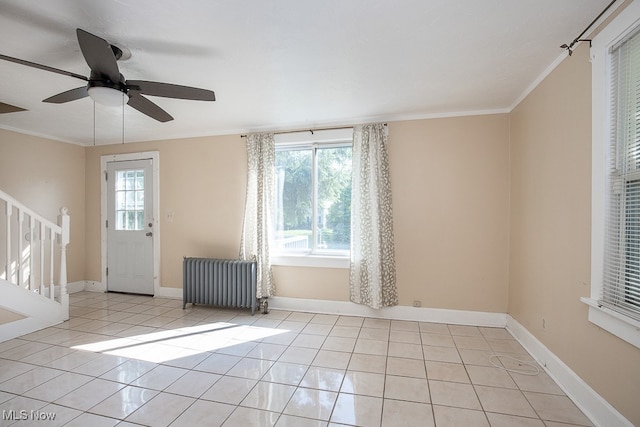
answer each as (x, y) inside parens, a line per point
(202, 181)
(46, 175)
(450, 184)
(7, 316)
(310, 282)
(550, 234)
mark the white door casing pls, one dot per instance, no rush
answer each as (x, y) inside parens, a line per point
(130, 230)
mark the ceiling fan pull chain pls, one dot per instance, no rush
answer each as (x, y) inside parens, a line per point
(123, 104)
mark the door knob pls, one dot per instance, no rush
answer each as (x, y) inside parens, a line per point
(149, 234)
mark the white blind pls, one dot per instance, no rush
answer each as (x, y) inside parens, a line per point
(621, 284)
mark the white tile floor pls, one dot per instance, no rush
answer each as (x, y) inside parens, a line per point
(132, 360)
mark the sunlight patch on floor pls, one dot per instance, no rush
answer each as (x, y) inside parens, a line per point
(162, 346)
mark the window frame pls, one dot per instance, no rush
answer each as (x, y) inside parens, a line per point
(333, 138)
(619, 29)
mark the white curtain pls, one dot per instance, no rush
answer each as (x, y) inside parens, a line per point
(372, 275)
(259, 204)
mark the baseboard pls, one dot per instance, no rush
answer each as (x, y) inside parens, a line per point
(163, 292)
(420, 314)
(174, 293)
(74, 287)
(93, 286)
(21, 327)
(594, 406)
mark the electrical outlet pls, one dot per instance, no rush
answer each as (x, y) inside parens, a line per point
(417, 303)
(170, 215)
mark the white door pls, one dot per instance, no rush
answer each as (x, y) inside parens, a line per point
(130, 226)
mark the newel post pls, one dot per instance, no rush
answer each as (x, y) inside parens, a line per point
(64, 241)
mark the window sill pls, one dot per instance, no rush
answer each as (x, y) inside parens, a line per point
(615, 323)
(307, 260)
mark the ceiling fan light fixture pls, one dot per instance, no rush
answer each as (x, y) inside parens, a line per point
(107, 96)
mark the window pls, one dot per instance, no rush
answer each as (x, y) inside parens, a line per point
(614, 303)
(312, 213)
(621, 282)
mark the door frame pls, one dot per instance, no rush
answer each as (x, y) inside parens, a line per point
(155, 158)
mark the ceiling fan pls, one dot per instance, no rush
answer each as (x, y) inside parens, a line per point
(107, 86)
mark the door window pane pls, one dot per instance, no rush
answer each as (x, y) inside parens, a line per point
(129, 200)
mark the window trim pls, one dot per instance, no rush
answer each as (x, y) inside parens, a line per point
(310, 260)
(317, 139)
(621, 27)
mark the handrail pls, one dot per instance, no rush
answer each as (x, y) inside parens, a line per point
(32, 214)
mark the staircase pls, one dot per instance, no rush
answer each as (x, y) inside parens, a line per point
(32, 257)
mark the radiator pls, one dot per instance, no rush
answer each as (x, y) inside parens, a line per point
(220, 282)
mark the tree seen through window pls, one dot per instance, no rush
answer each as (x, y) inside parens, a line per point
(313, 201)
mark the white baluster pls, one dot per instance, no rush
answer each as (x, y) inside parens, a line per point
(64, 241)
(9, 271)
(32, 226)
(20, 237)
(52, 238)
(42, 236)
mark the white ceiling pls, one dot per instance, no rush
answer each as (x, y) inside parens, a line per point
(282, 64)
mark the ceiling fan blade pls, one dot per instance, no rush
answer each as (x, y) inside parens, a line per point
(99, 56)
(8, 108)
(167, 90)
(70, 95)
(42, 67)
(147, 107)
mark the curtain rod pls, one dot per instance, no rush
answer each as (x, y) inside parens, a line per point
(309, 130)
(569, 47)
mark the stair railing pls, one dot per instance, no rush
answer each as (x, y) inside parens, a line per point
(33, 247)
